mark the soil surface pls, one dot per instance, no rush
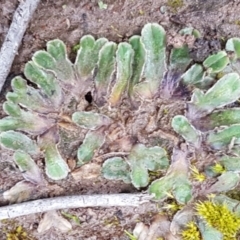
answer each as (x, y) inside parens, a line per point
(69, 21)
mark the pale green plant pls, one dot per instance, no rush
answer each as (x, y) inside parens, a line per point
(181, 125)
(54, 101)
(225, 91)
(175, 181)
(110, 86)
(135, 168)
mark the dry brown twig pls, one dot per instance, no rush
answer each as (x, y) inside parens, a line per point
(14, 36)
(78, 201)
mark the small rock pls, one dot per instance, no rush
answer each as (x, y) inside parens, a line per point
(163, 9)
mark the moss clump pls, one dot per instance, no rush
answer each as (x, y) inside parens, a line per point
(218, 168)
(191, 232)
(175, 4)
(196, 175)
(219, 217)
(17, 234)
(237, 22)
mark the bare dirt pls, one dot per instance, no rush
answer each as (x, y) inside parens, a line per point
(69, 21)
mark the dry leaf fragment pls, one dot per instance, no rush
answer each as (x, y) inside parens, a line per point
(160, 227)
(140, 231)
(87, 171)
(20, 192)
(53, 219)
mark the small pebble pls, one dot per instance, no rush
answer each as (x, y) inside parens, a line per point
(163, 9)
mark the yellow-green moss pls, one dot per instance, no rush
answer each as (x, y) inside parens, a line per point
(17, 234)
(218, 168)
(172, 207)
(175, 4)
(219, 217)
(220, 75)
(196, 175)
(237, 22)
(191, 232)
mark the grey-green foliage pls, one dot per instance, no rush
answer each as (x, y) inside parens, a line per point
(18, 141)
(216, 62)
(230, 163)
(175, 181)
(114, 71)
(194, 75)
(138, 63)
(190, 31)
(36, 100)
(141, 159)
(26, 121)
(233, 45)
(105, 66)
(205, 108)
(56, 60)
(225, 91)
(56, 166)
(139, 71)
(41, 105)
(227, 181)
(179, 59)
(208, 232)
(223, 137)
(124, 59)
(28, 167)
(90, 120)
(135, 168)
(37, 109)
(48, 94)
(92, 142)
(162, 187)
(116, 168)
(87, 56)
(130, 74)
(223, 117)
(220, 127)
(154, 41)
(181, 125)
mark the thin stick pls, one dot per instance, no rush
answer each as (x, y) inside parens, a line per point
(14, 36)
(48, 204)
(112, 154)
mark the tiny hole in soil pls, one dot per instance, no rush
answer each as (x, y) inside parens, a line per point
(88, 97)
(125, 191)
(7, 84)
(34, 225)
(119, 214)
